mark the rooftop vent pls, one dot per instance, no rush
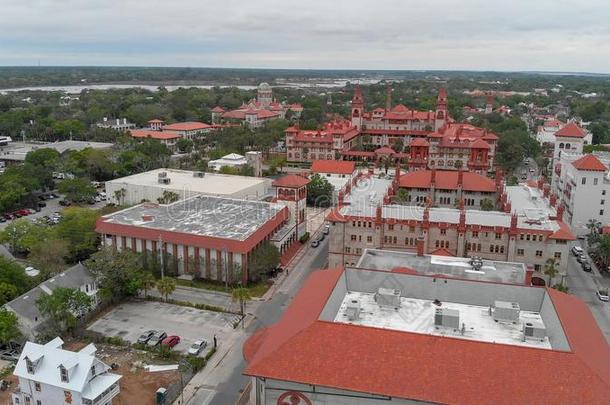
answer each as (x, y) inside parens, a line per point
(534, 330)
(506, 311)
(447, 318)
(147, 218)
(387, 297)
(164, 180)
(199, 174)
(162, 175)
(353, 310)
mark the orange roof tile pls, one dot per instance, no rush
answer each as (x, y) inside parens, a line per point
(333, 166)
(589, 162)
(571, 130)
(447, 180)
(186, 126)
(301, 348)
(143, 133)
(290, 180)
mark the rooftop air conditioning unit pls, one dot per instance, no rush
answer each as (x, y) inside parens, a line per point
(387, 297)
(534, 330)
(164, 180)
(506, 311)
(162, 175)
(447, 318)
(353, 310)
(199, 174)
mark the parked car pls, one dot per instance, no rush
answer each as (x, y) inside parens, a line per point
(42, 204)
(580, 258)
(2, 219)
(586, 266)
(577, 251)
(197, 347)
(171, 341)
(321, 237)
(145, 337)
(315, 243)
(602, 294)
(156, 338)
(65, 203)
(326, 230)
(103, 196)
(8, 216)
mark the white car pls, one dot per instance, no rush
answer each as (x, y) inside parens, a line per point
(197, 347)
(577, 251)
(326, 230)
(602, 295)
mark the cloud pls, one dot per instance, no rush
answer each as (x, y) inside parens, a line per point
(389, 34)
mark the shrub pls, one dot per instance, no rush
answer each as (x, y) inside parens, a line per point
(304, 238)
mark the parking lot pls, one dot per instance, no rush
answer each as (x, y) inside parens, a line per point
(130, 319)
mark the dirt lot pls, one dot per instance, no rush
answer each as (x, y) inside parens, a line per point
(137, 385)
(5, 396)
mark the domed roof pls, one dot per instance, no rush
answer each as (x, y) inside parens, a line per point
(264, 86)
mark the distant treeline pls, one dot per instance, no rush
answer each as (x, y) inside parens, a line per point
(11, 77)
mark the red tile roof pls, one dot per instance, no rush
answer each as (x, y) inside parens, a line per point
(571, 130)
(419, 142)
(333, 166)
(384, 151)
(145, 133)
(442, 252)
(186, 126)
(218, 109)
(437, 369)
(589, 162)
(290, 180)
(563, 233)
(447, 180)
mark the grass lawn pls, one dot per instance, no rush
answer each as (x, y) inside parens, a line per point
(256, 289)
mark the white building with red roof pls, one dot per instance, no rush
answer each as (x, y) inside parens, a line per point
(582, 184)
(257, 112)
(571, 138)
(356, 336)
(169, 138)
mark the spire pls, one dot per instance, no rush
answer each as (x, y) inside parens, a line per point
(388, 97)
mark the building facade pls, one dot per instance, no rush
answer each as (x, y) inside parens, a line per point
(50, 375)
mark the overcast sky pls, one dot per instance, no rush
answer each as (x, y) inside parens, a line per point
(558, 35)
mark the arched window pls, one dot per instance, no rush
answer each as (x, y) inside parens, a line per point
(356, 113)
(561, 145)
(440, 115)
(567, 146)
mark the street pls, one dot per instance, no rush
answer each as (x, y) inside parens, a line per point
(221, 381)
(582, 285)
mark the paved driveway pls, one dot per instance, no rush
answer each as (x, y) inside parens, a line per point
(130, 319)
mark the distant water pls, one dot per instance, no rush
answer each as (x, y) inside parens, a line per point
(76, 89)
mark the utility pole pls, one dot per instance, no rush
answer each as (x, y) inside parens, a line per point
(161, 253)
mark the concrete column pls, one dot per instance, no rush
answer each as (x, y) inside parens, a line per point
(219, 265)
(185, 258)
(197, 261)
(208, 266)
(461, 242)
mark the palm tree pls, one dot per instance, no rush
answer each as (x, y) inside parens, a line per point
(241, 295)
(148, 282)
(603, 249)
(166, 286)
(120, 195)
(593, 225)
(550, 269)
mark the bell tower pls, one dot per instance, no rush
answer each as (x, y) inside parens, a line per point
(441, 110)
(357, 107)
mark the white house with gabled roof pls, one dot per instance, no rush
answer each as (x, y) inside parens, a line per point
(50, 375)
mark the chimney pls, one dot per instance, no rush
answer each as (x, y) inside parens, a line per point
(513, 222)
(125, 121)
(508, 207)
(420, 246)
(118, 121)
(105, 119)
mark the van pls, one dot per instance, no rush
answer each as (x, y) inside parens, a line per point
(577, 251)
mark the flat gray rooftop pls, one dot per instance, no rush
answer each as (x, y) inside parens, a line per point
(366, 194)
(529, 201)
(455, 267)
(413, 299)
(17, 151)
(217, 217)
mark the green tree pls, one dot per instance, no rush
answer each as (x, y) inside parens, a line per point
(264, 258)
(13, 274)
(9, 326)
(166, 286)
(15, 233)
(402, 197)
(168, 197)
(49, 256)
(593, 226)
(550, 269)
(487, 204)
(119, 195)
(184, 145)
(147, 281)
(45, 157)
(117, 271)
(63, 306)
(278, 162)
(602, 249)
(78, 189)
(319, 192)
(241, 295)
(8, 292)
(77, 229)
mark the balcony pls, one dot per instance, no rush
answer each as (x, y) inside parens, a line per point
(105, 396)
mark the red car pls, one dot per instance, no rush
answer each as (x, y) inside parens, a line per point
(171, 341)
(22, 213)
